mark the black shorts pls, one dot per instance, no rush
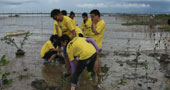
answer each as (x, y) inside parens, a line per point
(49, 54)
(89, 63)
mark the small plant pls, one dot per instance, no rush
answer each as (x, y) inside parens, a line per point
(136, 59)
(12, 42)
(105, 70)
(118, 83)
(4, 75)
(128, 46)
(146, 69)
(165, 45)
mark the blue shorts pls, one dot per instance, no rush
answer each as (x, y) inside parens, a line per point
(64, 51)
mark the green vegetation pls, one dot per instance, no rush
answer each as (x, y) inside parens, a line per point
(160, 19)
(10, 41)
(4, 74)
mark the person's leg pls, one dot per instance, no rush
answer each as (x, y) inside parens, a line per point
(97, 68)
(67, 63)
(80, 67)
(90, 67)
(52, 57)
(99, 73)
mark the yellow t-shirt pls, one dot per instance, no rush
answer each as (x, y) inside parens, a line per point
(78, 31)
(100, 28)
(87, 27)
(59, 30)
(46, 47)
(81, 48)
(74, 22)
(67, 26)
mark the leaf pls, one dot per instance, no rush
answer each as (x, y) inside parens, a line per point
(6, 63)
(10, 81)
(3, 58)
(1, 73)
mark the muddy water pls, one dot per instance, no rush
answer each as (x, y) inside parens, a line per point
(119, 53)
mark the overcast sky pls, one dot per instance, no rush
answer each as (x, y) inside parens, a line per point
(79, 6)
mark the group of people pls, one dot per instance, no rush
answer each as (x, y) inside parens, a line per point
(81, 46)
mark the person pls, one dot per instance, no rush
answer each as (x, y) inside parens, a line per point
(98, 28)
(85, 51)
(49, 51)
(86, 25)
(72, 16)
(169, 27)
(64, 12)
(57, 31)
(67, 28)
(79, 32)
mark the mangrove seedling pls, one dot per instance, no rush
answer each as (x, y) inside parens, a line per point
(136, 59)
(146, 69)
(4, 75)
(10, 41)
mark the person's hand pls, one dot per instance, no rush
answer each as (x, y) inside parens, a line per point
(94, 21)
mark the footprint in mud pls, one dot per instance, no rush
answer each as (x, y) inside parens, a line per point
(154, 55)
(132, 63)
(141, 78)
(123, 54)
(39, 84)
(42, 85)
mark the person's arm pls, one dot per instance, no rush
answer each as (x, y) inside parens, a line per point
(57, 30)
(74, 33)
(94, 22)
(94, 29)
(93, 42)
(72, 64)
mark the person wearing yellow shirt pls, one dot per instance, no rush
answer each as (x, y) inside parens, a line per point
(57, 30)
(72, 16)
(86, 25)
(64, 22)
(64, 12)
(67, 28)
(98, 27)
(48, 50)
(86, 50)
(79, 32)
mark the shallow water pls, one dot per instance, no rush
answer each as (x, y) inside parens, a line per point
(118, 40)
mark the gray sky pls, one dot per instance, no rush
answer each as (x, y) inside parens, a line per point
(105, 6)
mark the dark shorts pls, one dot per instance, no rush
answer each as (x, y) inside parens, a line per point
(82, 64)
(49, 54)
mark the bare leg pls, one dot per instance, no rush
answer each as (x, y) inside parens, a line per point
(67, 64)
(73, 88)
(52, 58)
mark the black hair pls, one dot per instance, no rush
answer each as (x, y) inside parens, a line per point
(84, 14)
(95, 12)
(64, 38)
(55, 12)
(55, 37)
(72, 13)
(81, 35)
(64, 12)
(168, 21)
